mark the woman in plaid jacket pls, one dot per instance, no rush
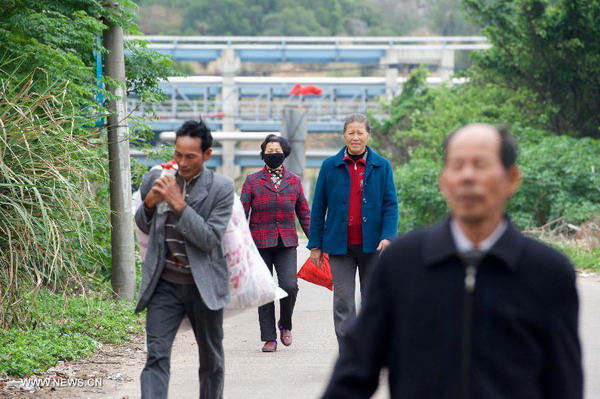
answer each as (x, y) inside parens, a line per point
(273, 197)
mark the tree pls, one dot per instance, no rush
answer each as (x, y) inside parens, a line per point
(549, 47)
(560, 173)
(53, 160)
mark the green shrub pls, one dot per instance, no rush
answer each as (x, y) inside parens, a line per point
(419, 200)
(560, 174)
(561, 179)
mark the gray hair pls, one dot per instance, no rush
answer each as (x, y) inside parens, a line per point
(357, 118)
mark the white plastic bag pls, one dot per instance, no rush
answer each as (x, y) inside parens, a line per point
(250, 282)
(170, 168)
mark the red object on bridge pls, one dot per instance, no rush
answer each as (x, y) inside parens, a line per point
(300, 90)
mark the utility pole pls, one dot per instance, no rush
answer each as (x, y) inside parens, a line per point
(122, 243)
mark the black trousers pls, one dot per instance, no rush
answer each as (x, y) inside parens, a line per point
(166, 309)
(284, 260)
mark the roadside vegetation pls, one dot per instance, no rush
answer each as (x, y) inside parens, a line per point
(55, 297)
(528, 81)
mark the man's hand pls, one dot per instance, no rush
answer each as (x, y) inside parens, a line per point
(167, 188)
(383, 244)
(153, 198)
(316, 256)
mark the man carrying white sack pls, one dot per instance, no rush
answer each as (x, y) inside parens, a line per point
(185, 272)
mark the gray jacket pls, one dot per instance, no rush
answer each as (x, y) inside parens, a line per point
(202, 224)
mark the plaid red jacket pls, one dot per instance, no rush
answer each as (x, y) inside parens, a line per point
(272, 210)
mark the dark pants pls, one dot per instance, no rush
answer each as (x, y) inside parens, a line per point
(166, 309)
(284, 259)
(343, 270)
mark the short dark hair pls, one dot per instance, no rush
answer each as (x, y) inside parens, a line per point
(508, 145)
(197, 129)
(273, 138)
(357, 118)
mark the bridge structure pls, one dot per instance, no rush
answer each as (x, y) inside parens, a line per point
(256, 103)
(231, 102)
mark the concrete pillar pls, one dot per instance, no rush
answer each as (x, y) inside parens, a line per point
(390, 62)
(229, 65)
(447, 64)
(294, 128)
(228, 166)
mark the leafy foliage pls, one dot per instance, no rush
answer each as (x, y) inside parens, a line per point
(56, 40)
(419, 199)
(561, 178)
(301, 18)
(550, 47)
(53, 186)
(560, 173)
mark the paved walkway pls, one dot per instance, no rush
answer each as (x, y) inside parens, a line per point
(302, 370)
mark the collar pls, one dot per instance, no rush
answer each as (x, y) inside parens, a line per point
(373, 159)
(266, 175)
(180, 179)
(439, 245)
(280, 170)
(463, 244)
(362, 160)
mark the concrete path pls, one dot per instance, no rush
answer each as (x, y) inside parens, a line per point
(299, 371)
(589, 295)
(302, 370)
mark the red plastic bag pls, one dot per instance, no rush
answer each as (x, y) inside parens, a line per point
(299, 90)
(319, 276)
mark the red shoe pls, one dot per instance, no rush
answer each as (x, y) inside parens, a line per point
(285, 335)
(270, 346)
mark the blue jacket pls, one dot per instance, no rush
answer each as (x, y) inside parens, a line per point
(329, 214)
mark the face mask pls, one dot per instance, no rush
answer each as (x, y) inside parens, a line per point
(273, 160)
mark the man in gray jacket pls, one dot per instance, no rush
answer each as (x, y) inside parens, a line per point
(185, 272)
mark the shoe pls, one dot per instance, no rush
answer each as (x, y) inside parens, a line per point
(270, 346)
(285, 335)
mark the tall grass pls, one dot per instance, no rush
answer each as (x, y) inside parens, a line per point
(47, 171)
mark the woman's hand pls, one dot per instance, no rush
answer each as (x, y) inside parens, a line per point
(316, 257)
(383, 244)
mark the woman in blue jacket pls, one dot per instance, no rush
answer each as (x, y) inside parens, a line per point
(354, 214)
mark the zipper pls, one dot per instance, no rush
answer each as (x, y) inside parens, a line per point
(470, 281)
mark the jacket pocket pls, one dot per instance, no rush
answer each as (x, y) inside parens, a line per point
(220, 276)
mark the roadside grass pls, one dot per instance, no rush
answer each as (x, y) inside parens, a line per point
(587, 259)
(65, 328)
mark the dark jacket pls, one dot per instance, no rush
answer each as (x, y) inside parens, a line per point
(524, 342)
(329, 215)
(273, 210)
